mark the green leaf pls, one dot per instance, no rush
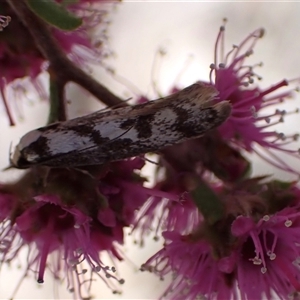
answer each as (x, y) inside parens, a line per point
(68, 2)
(208, 203)
(54, 14)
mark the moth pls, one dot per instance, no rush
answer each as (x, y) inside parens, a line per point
(125, 132)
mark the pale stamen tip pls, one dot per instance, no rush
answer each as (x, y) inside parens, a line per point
(261, 32)
(288, 223)
(4, 21)
(256, 261)
(249, 52)
(97, 269)
(162, 51)
(263, 270)
(115, 292)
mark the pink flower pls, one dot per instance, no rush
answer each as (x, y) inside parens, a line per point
(194, 271)
(249, 127)
(170, 207)
(21, 61)
(4, 21)
(72, 217)
(80, 45)
(248, 256)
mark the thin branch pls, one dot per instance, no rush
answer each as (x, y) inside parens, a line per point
(58, 60)
(57, 99)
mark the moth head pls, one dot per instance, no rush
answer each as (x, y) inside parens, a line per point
(23, 156)
(204, 93)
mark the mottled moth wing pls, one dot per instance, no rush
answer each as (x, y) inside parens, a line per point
(123, 132)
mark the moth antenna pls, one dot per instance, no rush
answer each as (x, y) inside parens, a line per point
(8, 168)
(9, 151)
(120, 104)
(115, 106)
(46, 176)
(123, 81)
(11, 166)
(85, 172)
(149, 160)
(155, 69)
(186, 64)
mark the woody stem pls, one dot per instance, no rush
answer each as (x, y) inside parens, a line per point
(59, 62)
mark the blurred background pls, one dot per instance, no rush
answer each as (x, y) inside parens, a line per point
(187, 32)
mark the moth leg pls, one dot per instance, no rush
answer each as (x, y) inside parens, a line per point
(42, 175)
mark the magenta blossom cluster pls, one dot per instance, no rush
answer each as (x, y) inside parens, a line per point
(235, 236)
(248, 126)
(22, 63)
(74, 217)
(248, 254)
(227, 235)
(220, 151)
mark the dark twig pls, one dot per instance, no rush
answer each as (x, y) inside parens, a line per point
(60, 64)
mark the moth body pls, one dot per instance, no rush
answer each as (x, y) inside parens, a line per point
(123, 132)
